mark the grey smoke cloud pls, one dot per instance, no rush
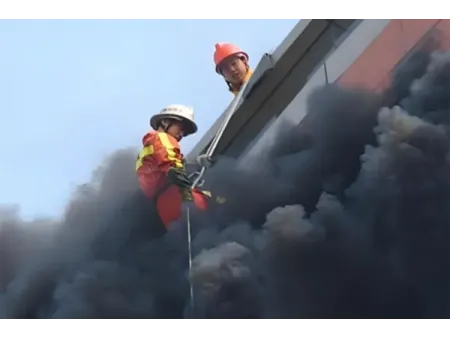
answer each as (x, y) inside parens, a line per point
(346, 217)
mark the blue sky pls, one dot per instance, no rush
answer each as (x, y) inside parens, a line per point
(73, 91)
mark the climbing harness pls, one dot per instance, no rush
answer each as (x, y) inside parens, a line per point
(205, 161)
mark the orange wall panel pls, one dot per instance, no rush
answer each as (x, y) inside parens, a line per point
(375, 61)
(413, 31)
(373, 67)
(442, 31)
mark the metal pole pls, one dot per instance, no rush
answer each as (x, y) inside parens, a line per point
(215, 141)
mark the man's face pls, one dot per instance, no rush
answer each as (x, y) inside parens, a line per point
(176, 130)
(233, 69)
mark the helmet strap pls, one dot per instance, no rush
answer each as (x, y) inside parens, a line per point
(165, 124)
(230, 87)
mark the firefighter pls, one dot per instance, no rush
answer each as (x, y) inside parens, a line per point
(232, 63)
(160, 164)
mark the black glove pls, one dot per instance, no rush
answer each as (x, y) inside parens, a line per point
(179, 178)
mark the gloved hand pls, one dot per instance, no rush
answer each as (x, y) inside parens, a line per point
(179, 178)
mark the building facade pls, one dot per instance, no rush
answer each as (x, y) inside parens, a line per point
(360, 53)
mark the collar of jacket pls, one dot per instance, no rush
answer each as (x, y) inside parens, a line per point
(235, 90)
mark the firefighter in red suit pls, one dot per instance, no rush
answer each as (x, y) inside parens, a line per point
(160, 164)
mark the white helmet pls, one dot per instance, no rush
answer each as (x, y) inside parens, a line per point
(177, 112)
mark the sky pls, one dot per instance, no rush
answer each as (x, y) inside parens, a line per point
(74, 91)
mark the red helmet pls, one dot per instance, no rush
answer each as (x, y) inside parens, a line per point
(224, 50)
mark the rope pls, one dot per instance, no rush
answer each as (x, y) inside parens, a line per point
(191, 287)
(208, 154)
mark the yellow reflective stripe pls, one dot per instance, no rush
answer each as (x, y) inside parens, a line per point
(171, 155)
(146, 151)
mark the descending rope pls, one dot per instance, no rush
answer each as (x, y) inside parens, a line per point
(207, 156)
(191, 287)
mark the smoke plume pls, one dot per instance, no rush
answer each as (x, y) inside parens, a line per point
(345, 216)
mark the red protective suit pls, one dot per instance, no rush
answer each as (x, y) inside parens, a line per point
(161, 152)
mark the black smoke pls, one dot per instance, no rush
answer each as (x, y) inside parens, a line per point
(344, 216)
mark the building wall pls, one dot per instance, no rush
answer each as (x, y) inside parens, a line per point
(366, 58)
(329, 70)
(374, 67)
